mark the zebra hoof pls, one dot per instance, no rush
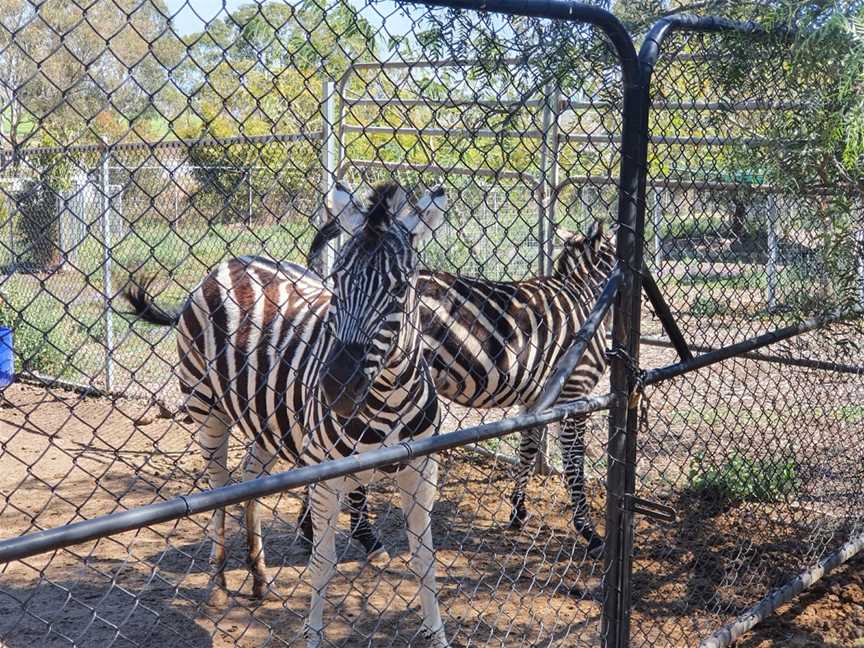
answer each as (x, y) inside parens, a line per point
(218, 597)
(595, 547)
(262, 592)
(375, 550)
(517, 520)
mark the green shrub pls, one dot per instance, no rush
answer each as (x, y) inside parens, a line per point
(40, 224)
(36, 339)
(741, 479)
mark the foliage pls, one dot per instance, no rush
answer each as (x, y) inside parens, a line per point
(741, 479)
(40, 223)
(36, 345)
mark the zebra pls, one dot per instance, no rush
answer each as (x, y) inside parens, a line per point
(495, 344)
(311, 371)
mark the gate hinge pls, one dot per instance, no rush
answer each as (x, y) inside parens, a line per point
(649, 509)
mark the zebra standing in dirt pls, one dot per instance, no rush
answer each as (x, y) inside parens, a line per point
(310, 374)
(495, 344)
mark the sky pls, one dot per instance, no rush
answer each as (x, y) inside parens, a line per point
(192, 15)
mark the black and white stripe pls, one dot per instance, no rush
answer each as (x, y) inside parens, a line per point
(495, 344)
(310, 372)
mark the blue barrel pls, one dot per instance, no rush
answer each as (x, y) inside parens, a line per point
(7, 358)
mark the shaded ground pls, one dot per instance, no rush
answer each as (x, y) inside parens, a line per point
(64, 457)
(831, 615)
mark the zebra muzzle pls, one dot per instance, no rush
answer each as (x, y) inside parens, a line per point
(343, 383)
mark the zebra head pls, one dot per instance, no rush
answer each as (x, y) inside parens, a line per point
(371, 316)
(584, 255)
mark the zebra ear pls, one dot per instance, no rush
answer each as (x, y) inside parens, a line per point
(565, 234)
(427, 214)
(595, 231)
(342, 208)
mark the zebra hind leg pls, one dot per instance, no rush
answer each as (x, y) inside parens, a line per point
(573, 452)
(361, 529)
(304, 522)
(529, 446)
(213, 435)
(258, 460)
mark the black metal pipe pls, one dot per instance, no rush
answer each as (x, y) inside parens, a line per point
(706, 359)
(573, 356)
(558, 10)
(184, 506)
(662, 310)
(807, 363)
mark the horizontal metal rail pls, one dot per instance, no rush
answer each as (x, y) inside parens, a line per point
(428, 166)
(653, 376)
(186, 505)
(583, 138)
(807, 363)
(573, 356)
(167, 144)
(440, 132)
(576, 104)
(442, 103)
(576, 180)
(769, 604)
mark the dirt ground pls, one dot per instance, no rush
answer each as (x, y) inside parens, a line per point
(65, 457)
(830, 615)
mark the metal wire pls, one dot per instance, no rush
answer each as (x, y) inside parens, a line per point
(143, 150)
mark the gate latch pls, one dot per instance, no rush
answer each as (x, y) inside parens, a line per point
(653, 510)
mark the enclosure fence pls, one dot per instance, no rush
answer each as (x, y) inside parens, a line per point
(157, 384)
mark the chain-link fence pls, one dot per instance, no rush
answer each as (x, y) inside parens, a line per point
(474, 191)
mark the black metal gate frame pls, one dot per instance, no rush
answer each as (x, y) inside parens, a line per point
(623, 290)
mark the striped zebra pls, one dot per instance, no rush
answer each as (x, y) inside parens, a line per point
(310, 373)
(495, 344)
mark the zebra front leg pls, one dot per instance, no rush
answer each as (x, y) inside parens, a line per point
(213, 435)
(529, 446)
(361, 530)
(418, 484)
(324, 507)
(258, 460)
(573, 453)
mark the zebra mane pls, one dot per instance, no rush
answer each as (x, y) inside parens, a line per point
(384, 201)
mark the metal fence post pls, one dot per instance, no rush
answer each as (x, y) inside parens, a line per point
(626, 327)
(546, 214)
(249, 187)
(329, 160)
(773, 251)
(107, 289)
(658, 238)
(859, 263)
(548, 178)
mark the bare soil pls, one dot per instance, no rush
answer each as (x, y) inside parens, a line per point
(65, 457)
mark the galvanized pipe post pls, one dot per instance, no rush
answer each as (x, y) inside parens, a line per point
(773, 251)
(329, 161)
(107, 288)
(658, 238)
(546, 216)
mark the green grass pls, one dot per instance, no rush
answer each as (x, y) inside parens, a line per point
(850, 413)
(741, 479)
(59, 320)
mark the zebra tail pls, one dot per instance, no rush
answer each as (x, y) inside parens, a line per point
(143, 306)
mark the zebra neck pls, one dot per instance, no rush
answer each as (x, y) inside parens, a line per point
(399, 378)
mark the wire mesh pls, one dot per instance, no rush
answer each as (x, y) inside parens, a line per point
(142, 142)
(452, 178)
(755, 453)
